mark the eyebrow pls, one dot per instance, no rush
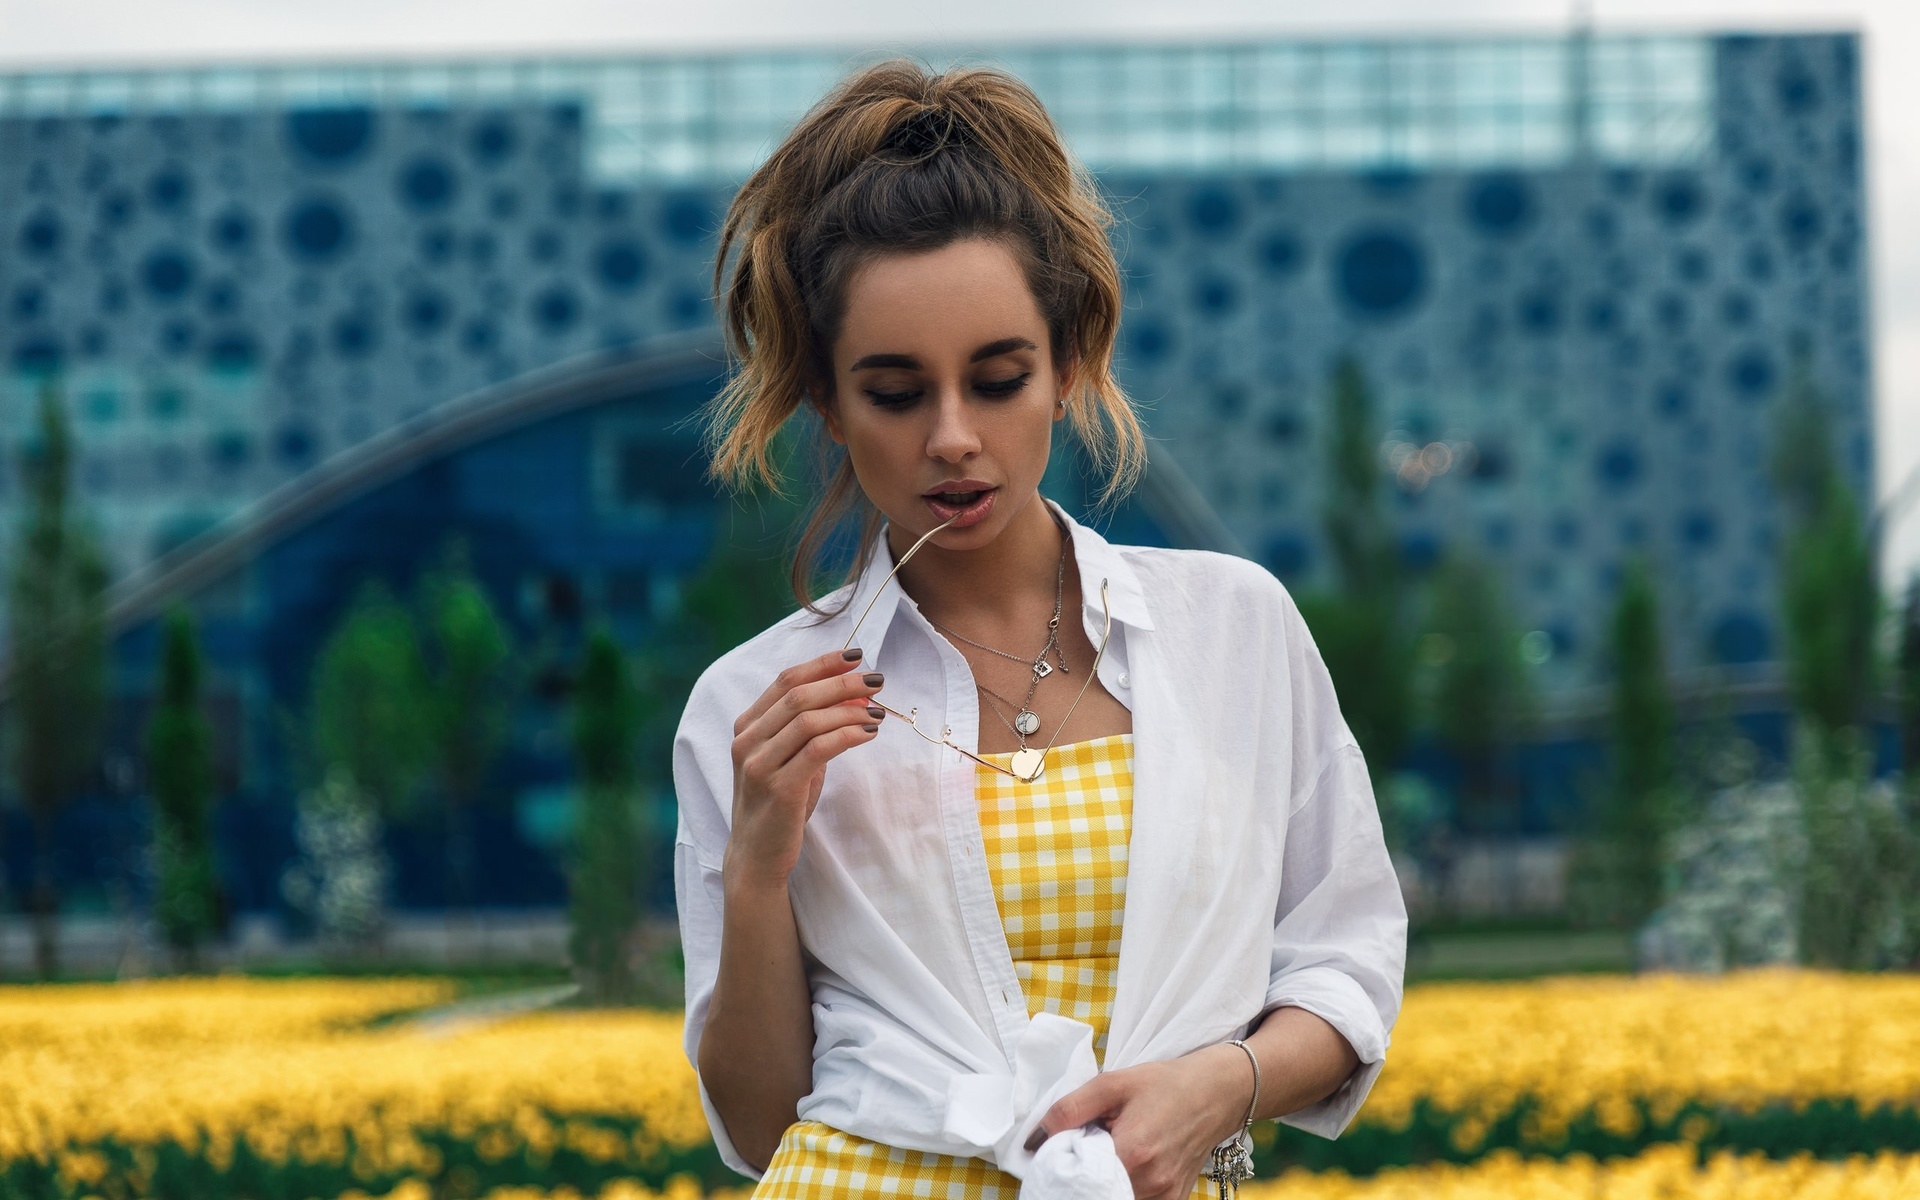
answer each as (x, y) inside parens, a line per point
(910, 363)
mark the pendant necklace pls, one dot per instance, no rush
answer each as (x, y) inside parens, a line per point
(1026, 721)
(1028, 764)
(1021, 726)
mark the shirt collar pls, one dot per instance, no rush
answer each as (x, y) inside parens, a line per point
(1097, 558)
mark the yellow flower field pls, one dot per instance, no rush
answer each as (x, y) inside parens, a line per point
(283, 1065)
(1599, 1043)
(1661, 1173)
(104, 1081)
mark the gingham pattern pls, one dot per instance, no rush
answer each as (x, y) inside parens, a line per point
(1057, 852)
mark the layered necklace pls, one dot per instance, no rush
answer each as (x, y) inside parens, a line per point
(1028, 764)
(1027, 722)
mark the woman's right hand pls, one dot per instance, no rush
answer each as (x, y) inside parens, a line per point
(781, 746)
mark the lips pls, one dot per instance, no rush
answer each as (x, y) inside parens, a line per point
(952, 490)
(964, 501)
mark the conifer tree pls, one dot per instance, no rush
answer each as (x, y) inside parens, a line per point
(1638, 819)
(1363, 627)
(368, 712)
(468, 692)
(1830, 599)
(57, 646)
(1908, 665)
(604, 876)
(180, 773)
(367, 747)
(1477, 689)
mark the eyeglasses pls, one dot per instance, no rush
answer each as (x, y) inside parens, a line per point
(1028, 765)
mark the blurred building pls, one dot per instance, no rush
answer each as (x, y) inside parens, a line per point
(313, 320)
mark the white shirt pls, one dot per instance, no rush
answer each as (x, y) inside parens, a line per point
(1257, 874)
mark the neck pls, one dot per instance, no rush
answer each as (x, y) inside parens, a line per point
(999, 581)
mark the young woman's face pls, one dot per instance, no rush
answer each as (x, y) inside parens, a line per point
(945, 390)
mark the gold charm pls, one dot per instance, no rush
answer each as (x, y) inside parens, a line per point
(1028, 765)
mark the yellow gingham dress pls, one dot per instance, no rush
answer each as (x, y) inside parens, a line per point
(1057, 854)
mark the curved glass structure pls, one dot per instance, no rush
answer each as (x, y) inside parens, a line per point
(1579, 271)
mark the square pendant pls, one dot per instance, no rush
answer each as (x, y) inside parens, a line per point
(1042, 668)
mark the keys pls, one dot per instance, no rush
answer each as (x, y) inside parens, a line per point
(1230, 1164)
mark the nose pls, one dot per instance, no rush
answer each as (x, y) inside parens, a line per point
(953, 437)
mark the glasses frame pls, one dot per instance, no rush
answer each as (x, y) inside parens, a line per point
(911, 716)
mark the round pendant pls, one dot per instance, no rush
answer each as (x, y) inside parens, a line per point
(1029, 764)
(1027, 722)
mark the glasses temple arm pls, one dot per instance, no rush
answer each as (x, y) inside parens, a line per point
(904, 559)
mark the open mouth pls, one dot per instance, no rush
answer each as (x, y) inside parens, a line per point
(964, 505)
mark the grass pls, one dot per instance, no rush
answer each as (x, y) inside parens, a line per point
(1517, 954)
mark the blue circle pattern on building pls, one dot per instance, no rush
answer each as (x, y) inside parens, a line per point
(427, 184)
(410, 244)
(318, 230)
(331, 137)
(1500, 205)
(1651, 312)
(1381, 273)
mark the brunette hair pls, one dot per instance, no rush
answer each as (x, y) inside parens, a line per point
(899, 158)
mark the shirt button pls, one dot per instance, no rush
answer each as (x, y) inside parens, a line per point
(1124, 680)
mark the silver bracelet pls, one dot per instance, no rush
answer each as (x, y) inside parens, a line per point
(1254, 1101)
(1230, 1162)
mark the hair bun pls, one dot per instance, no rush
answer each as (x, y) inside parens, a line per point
(924, 134)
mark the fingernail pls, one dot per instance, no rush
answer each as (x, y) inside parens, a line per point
(875, 711)
(854, 655)
(1039, 1135)
(871, 728)
(875, 679)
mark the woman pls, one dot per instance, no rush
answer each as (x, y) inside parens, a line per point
(971, 911)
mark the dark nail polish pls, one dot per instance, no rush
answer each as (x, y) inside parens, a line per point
(1039, 1135)
(875, 679)
(875, 711)
(854, 655)
(871, 728)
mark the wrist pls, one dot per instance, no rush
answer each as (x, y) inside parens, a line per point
(748, 885)
(1228, 1083)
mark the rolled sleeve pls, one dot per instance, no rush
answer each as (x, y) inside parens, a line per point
(699, 846)
(1340, 930)
(698, 891)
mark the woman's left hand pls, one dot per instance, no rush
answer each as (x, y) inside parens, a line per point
(1165, 1117)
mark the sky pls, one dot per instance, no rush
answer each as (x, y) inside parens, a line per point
(92, 32)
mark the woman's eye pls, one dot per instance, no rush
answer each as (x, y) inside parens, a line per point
(892, 399)
(1004, 387)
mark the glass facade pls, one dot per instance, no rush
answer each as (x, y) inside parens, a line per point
(1299, 105)
(1575, 269)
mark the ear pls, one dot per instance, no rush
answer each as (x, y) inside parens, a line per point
(829, 413)
(1068, 374)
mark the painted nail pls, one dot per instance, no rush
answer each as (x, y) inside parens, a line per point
(854, 655)
(871, 728)
(875, 711)
(875, 679)
(1039, 1135)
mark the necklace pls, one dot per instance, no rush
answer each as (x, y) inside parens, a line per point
(1026, 721)
(1028, 764)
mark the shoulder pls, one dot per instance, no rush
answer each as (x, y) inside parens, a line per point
(1206, 584)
